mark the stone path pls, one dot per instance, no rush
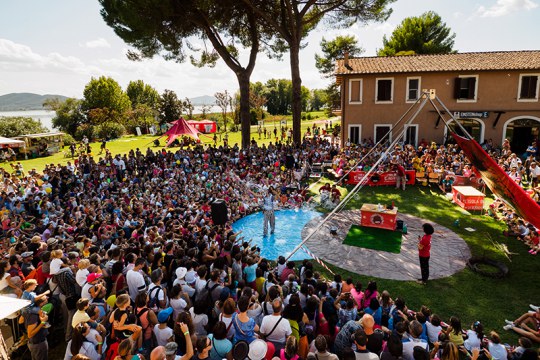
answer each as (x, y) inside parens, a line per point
(449, 252)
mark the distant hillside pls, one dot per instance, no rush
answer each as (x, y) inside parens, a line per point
(203, 100)
(25, 101)
(30, 101)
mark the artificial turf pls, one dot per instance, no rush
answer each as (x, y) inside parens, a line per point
(374, 238)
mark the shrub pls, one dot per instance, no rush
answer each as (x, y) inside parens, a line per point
(109, 130)
(85, 130)
(309, 116)
(68, 140)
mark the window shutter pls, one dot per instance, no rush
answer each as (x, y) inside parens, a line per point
(524, 91)
(457, 87)
(472, 83)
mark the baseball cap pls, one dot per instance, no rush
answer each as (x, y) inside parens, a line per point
(163, 315)
(93, 277)
(27, 254)
(190, 277)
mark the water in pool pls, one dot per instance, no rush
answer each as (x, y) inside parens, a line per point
(288, 234)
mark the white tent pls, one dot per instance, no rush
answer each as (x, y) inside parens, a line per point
(7, 142)
(9, 305)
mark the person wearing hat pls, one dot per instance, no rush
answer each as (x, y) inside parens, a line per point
(163, 332)
(27, 266)
(259, 350)
(93, 287)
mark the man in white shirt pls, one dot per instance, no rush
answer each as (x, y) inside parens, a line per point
(275, 327)
(415, 331)
(135, 280)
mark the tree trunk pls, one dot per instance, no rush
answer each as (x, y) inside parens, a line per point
(245, 118)
(296, 93)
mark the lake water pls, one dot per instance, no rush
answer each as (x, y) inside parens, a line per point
(46, 116)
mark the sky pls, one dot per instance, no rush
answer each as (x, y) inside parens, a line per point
(56, 47)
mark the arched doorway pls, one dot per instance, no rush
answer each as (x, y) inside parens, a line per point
(521, 132)
(474, 127)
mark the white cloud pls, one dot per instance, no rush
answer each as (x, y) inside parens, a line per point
(98, 43)
(505, 7)
(15, 56)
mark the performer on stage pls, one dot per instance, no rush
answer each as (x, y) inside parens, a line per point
(268, 211)
(424, 248)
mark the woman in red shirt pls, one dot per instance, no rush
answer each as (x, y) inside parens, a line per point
(424, 248)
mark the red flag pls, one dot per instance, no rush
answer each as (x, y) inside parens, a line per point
(499, 182)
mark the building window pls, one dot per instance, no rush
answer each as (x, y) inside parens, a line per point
(355, 91)
(384, 90)
(466, 88)
(528, 87)
(383, 132)
(413, 89)
(411, 135)
(355, 133)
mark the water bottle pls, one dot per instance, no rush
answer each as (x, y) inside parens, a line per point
(456, 223)
(379, 207)
(404, 228)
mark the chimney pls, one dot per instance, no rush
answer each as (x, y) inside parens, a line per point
(346, 61)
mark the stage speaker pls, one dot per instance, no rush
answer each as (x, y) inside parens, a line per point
(289, 161)
(219, 212)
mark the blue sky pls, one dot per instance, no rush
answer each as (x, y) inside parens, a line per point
(55, 47)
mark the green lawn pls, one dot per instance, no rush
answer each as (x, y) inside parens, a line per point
(126, 143)
(466, 294)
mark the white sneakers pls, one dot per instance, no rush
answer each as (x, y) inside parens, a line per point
(508, 322)
(508, 327)
(535, 308)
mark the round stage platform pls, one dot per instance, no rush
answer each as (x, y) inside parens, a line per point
(449, 252)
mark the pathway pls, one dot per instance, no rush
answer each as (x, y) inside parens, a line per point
(449, 252)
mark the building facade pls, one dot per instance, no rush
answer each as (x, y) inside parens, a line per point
(494, 95)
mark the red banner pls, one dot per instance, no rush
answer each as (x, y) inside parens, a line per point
(499, 182)
(380, 179)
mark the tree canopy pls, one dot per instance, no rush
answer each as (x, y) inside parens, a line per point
(140, 93)
(165, 28)
(11, 126)
(69, 114)
(170, 107)
(424, 34)
(333, 50)
(292, 20)
(105, 101)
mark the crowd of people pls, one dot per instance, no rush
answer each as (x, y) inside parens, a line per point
(125, 249)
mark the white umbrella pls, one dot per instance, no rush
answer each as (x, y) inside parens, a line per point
(9, 305)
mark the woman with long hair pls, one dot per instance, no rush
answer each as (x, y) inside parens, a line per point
(80, 345)
(424, 251)
(290, 350)
(179, 338)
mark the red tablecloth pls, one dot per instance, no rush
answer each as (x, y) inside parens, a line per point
(376, 179)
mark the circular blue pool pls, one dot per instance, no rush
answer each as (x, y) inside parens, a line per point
(288, 234)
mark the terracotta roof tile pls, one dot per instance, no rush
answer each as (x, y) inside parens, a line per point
(500, 60)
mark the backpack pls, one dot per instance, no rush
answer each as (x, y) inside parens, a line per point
(205, 295)
(153, 303)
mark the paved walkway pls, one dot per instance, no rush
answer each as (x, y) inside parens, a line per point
(449, 252)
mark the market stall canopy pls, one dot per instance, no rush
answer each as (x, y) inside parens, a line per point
(181, 128)
(7, 142)
(9, 305)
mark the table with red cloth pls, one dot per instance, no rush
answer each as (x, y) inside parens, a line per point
(378, 217)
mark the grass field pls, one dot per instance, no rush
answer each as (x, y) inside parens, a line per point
(126, 143)
(466, 294)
